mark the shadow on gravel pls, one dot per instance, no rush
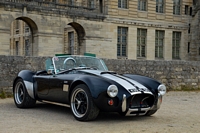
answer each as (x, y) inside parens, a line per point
(52, 108)
(102, 117)
(108, 117)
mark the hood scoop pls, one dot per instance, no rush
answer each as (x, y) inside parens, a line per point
(108, 72)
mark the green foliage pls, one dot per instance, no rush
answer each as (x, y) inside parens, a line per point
(188, 88)
(3, 94)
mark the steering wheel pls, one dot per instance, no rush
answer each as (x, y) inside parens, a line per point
(71, 64)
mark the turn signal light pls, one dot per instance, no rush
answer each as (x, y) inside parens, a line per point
(110, 102)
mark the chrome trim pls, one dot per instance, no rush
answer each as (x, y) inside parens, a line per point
(124, 103)
(29, 88)
(136, 110)
(55, 103)
(158, 104)
(54, 65)
(159, 101)
(139, 92)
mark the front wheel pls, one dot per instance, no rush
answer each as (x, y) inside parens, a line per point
(21, 96)
(82, 105)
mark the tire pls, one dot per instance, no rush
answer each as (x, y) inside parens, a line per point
(21, 96)
(122, 113)
(82, 105)
(151, 112)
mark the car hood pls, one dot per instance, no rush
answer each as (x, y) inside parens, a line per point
(132, 86)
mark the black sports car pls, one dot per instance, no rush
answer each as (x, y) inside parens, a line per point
(84, 83)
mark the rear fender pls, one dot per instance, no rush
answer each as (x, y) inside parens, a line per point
(27, 77)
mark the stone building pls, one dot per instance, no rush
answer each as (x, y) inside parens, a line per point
(195, 32)
(123, 29)
(20, 39)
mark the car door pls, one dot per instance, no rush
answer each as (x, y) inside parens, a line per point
(59, 87)
(41, 85)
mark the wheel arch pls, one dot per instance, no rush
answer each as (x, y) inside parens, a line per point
(95, 85)
(27, 77)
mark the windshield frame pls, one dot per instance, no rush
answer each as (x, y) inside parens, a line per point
(76, 59)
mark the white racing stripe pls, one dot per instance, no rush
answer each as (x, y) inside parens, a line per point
(133, 82)
(132, 86)
(120, 81)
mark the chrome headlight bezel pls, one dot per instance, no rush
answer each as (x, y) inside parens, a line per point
(162, 89)
(112, 91)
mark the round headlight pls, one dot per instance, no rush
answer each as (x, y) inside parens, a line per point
(162, 89)
(112, 91)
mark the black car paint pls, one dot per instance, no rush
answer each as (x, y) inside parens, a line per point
(150, 83)
(50, 87)
(26, 75)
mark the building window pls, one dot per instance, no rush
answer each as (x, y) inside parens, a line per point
(199, 50)
(16, 26)
(177, 7)
(27, 46)
(122, 35)
(71, 42)
(91, 4)
(159, 43)
(189, 29)
(142, 5)
(122, 4)
(160, 6)
(27, 29)
(186, 10)
(101, 6)
(141, 42)
(188, 47)
(190, 11)
(176, 41)
(17, 48)
(71, 2)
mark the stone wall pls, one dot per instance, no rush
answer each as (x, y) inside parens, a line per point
(175, 74)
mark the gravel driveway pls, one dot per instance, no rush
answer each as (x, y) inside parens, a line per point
(179, 113)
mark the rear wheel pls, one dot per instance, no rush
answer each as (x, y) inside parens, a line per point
(21, 96)
(82, 105)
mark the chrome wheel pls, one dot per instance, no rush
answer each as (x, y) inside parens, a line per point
(79, 102)
(19, 93)
(82, 105)
(21, 96)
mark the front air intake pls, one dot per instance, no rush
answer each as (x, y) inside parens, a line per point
(141, 101)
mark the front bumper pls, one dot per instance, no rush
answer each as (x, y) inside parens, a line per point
(137, 111)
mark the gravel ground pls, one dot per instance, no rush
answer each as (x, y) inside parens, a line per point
(179, 113)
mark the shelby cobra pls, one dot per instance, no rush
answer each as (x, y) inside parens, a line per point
(86, 85)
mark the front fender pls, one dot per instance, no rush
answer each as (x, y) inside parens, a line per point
(150, 83)
(95, 84)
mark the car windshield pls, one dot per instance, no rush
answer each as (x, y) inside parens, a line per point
(63, 63)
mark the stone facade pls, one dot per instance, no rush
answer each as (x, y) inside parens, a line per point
(195, 29)
(20, 39)
(175, 75)
(99, 34)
